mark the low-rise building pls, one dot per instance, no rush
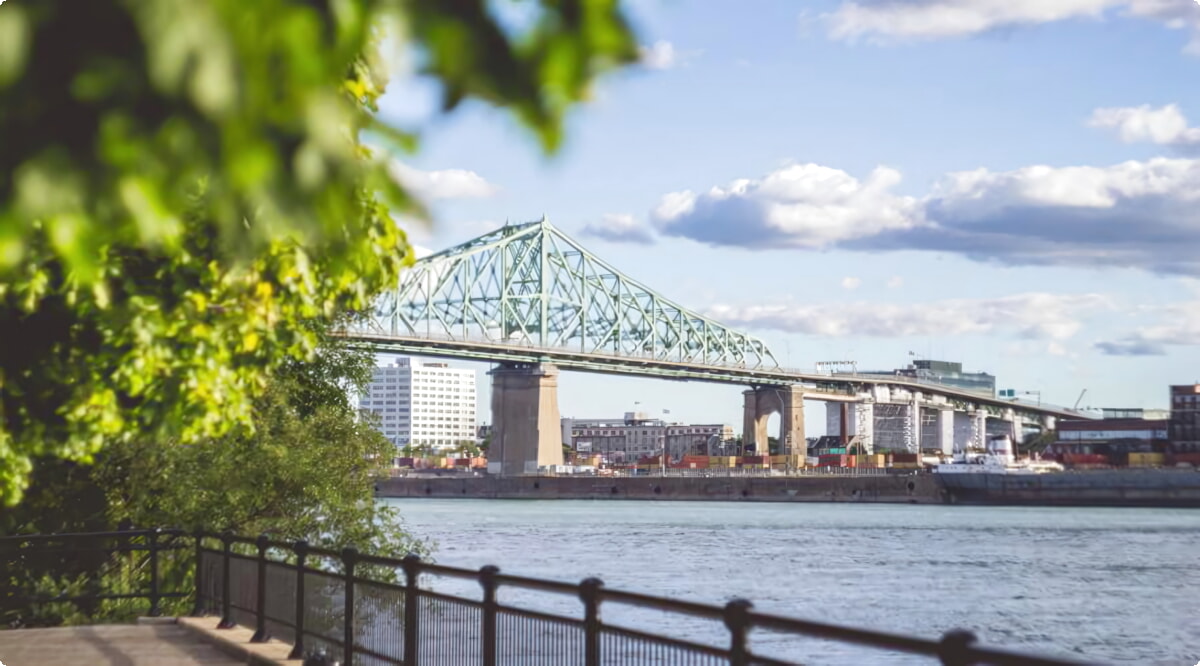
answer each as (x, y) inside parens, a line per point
(638, 436)
(1109, 436)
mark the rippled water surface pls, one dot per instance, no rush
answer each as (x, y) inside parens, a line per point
(1115, 585)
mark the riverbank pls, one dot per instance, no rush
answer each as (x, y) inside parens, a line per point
(1112, 488)
(892, 489)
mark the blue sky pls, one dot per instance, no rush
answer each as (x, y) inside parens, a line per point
(1011, 184)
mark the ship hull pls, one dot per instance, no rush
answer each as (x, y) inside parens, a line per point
(1124, 487)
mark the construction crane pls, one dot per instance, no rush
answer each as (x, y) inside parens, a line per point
(1079, 399)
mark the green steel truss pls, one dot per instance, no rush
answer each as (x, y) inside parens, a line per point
(531, 285)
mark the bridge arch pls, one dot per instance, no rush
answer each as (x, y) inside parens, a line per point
(760, 403)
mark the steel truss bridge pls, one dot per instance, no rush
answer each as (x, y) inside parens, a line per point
(530, 294)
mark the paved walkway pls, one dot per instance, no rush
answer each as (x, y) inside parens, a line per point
(117, 645)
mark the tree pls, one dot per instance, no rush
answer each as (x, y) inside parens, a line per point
(307, 471)
(186, 185)
(1039, 443)
(467, 447)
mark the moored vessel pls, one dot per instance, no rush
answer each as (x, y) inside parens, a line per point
(996, 458)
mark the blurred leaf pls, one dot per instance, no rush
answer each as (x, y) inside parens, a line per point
(165, 160)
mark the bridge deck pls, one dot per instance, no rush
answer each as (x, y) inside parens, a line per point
(117, 645)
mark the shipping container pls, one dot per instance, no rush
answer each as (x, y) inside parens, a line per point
(1146, 459)
(1085, 459)
(1184, 459)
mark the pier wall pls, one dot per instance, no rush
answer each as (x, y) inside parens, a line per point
(913, 489)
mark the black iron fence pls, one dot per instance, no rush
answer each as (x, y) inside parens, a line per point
(362, 609)
(52, 578)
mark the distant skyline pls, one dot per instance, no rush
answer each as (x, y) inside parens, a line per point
(1014, 186)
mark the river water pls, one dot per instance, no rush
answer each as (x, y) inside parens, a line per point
(1112, 585)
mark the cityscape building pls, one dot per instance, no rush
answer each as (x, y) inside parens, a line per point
(638, 436)
(1107, 436)
(1185, 418)
(422, 404)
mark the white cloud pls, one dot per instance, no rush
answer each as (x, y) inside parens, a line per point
(801, 205)
(1136, 214)
(851, 283)
(895, 282)
(1027, 348)
(934, 19)
(619, 228)
(663, 55)
(1178, 324)
(420, 252)
(1034, 316)
(443, 184)
(1133, 214)
(1166, 126)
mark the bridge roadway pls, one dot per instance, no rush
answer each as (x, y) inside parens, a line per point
(823, 387)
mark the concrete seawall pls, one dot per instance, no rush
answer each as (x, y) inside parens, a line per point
(916, 489)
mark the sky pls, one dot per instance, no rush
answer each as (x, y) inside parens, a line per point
(1013, 184)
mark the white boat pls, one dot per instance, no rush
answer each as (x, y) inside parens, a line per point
(997, 458)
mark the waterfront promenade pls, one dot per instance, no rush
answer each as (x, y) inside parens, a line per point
(161, 643)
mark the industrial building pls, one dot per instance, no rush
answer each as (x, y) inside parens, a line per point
(422, 404)
(636, 435)
(1184, 429)
(1109, 436)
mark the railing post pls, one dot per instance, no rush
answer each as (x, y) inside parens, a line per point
(737, 619)
(226, 604)
(487, 578)
(198, 606)
(155, 598)
(589, 592)
(349, 557)
(260, 608)
(956, 643)
(301, 550)
(412, 571)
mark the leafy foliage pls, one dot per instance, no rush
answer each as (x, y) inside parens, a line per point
(307, 471)
(184, 188)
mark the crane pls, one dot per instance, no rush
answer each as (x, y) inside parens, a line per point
(1079, 399)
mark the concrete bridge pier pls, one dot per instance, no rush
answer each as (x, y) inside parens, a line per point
(1014, 426)
(979, 429)
(757, 406)
(527, 433)
(912, 427)
(945, 429)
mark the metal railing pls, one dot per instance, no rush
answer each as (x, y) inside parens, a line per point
(365, 609)
(43, 576)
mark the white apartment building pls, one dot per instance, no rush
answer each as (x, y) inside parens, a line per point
(422, 404)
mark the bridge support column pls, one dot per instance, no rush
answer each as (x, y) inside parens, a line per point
(527, 433)
(1014, 427)
(979, 429)
(758, 405)
(864, 425)
(945, 430)
(913, 441)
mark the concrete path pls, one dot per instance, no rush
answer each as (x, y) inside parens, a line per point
(117, 645)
